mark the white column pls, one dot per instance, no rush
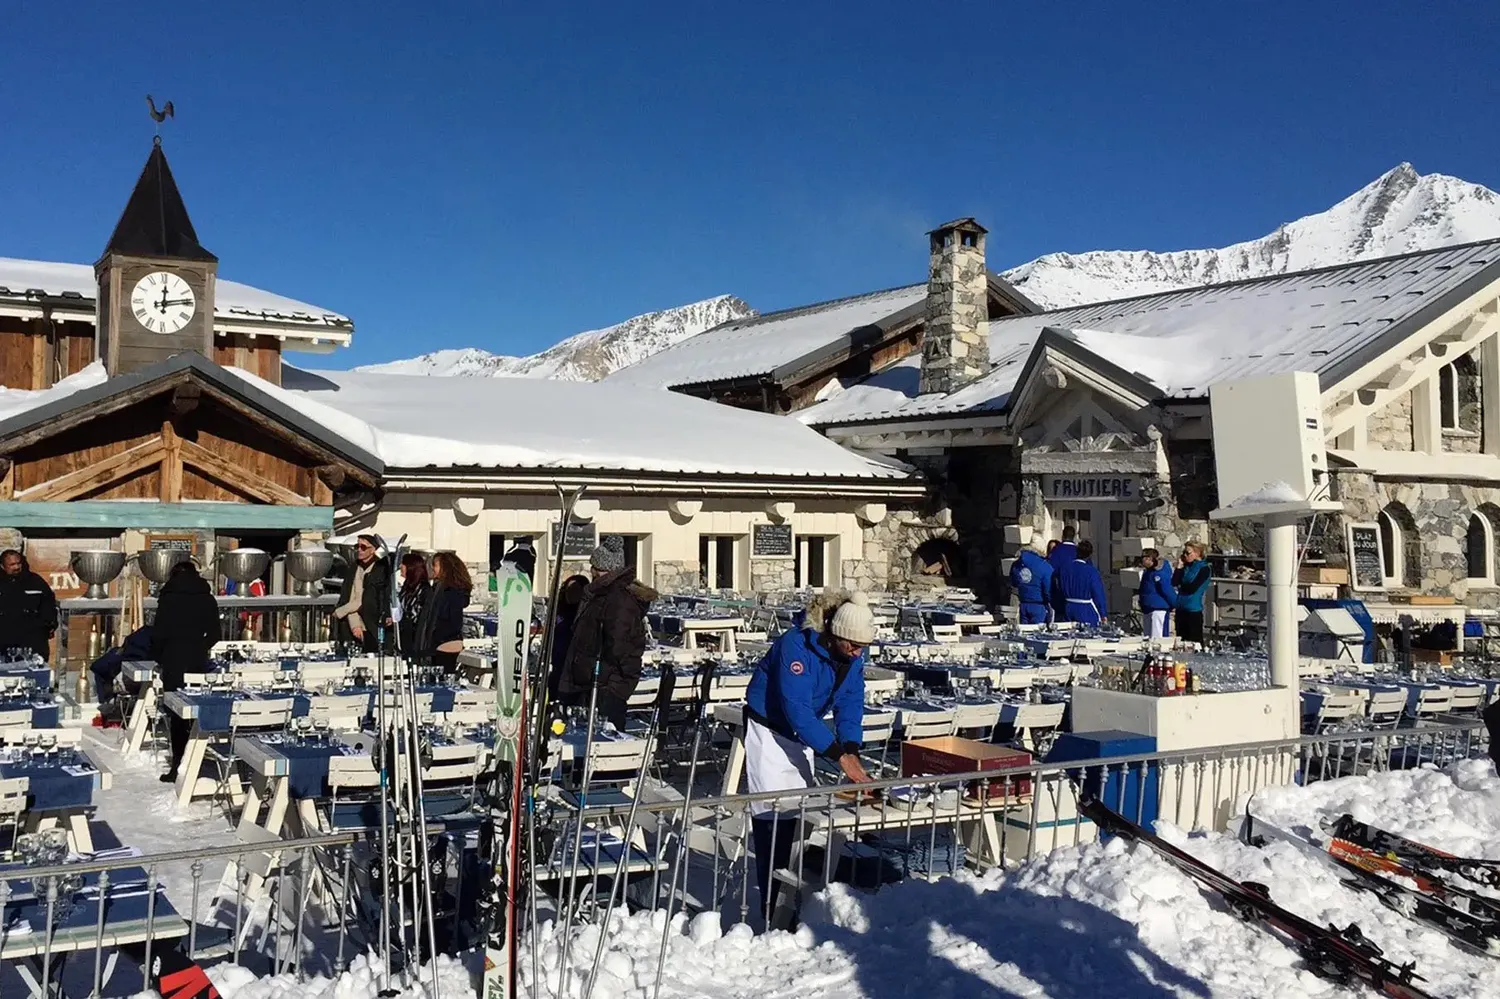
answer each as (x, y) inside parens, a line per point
(1281, 600)
(1426, 421)
(1489, 393)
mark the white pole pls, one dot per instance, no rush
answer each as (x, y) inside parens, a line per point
(1281, 599)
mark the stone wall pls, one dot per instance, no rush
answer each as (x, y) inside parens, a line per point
(1390, 428)
(675, 577)
(769, 574)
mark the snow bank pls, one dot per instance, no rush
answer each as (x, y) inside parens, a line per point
(14, 401)
(1457, 810)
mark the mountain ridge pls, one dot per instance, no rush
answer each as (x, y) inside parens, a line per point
(1400, 211)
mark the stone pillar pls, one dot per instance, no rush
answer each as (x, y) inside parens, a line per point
(955, 347)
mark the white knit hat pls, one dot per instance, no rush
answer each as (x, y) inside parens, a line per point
(854, 621)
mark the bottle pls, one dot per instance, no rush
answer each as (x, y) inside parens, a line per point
(1169, 682)
(1195, 684)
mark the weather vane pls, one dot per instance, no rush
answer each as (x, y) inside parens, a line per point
(166, 112)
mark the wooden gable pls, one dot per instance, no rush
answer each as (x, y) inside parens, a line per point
(177, 439)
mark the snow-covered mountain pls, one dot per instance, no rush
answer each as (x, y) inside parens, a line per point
(585, 356)
(1400, 212)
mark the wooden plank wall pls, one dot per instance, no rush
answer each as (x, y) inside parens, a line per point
(28, 357)
(259, 355)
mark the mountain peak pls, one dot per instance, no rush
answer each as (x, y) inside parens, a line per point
(1401, 211)
(586, 356)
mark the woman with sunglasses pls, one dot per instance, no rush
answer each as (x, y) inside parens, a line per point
(364, 607)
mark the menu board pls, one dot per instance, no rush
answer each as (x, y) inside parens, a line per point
(771, 541)
(171, 542)
(582, 539)
(1366, 557)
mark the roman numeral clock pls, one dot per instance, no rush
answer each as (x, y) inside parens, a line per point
(156, 281)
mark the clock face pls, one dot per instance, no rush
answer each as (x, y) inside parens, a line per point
(163, 302)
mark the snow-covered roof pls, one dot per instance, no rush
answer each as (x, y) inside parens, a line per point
(1329, 320)
(15, 401)
(27, 282)
(759, 345)
(412, 423)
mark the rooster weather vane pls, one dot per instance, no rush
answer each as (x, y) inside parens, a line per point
(167, 111)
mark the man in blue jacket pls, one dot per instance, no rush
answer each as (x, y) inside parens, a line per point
(1031, 579)
(1080, 588)
(803, 676)
(1156, 594)
(1062, 554)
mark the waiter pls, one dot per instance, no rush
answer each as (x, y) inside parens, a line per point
(28, 608)
(1080, 588)
(804, 675)
(1031, 579)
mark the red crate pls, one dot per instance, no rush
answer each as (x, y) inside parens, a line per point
(949, 754)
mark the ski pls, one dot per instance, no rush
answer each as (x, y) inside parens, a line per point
(1411, 854)
(1430, 902)
(1332, 953)
(173, 975)
(500, 837)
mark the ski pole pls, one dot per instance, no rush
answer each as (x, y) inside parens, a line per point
(663, 698)
(385, 812)
(686, 819)
(588, 775)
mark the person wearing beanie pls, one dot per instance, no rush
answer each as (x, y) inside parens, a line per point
(609, 629)
(803, 676)
(1031, 581)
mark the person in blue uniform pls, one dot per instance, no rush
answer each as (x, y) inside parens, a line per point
(1156, 594)
(1031, 579)
(1080, 588)
(1059, 555)
(802, 677)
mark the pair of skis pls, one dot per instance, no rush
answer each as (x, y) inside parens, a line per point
(521, 695)
(1338, 954)
(1407, 877)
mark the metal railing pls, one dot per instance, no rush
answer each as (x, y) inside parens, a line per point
(292, 906)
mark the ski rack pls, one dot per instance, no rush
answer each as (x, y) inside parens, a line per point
(1336, 954)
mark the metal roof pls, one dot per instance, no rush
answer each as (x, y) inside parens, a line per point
(1331, 320)
(779, 344)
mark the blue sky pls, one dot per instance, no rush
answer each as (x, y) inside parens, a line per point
(503, 174)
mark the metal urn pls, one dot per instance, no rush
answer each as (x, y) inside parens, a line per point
(344, 551)
(156, 563)
(309, 565)
(97, 567)
(244, 564)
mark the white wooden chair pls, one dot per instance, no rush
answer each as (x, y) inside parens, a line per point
(12, 810)
(247, 714)
(18, 720)
(1337, 707)
(947, 633)
(340, 712)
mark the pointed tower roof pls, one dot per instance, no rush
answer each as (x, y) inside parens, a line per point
(155, 222)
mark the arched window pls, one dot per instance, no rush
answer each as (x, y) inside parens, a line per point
(1401, 547)
(1479, 546)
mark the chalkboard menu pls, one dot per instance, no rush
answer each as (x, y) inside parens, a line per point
(582, 539)
(1366, 560)
(771, 541)
(171, 542)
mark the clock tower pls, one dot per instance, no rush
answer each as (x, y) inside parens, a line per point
(156, 281)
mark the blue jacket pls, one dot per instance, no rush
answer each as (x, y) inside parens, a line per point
(1192, 585)
(1156, 589)
(794, 686)
(1063, 555)
(1079, 580)
(1031, 578)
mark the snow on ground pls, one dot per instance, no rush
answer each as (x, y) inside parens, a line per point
(1457, 810)
(1102, 920)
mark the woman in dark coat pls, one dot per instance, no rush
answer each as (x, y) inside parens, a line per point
(182, 637)
(416, 590)
(610, 630)
(569, 599)
(440, 632)
(364, 606)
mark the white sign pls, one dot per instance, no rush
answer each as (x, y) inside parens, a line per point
(1091, 488)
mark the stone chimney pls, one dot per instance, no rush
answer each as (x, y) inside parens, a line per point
(956, 346)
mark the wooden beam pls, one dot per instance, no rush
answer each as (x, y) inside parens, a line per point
(7, 478)
(171, 464)
(185, 398)
(290, 435)
(230, 474)
(332, 476)
(123, 515)
(96, 476)
(68, 421)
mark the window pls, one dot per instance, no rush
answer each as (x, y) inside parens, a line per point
(1447, 398)
(813, 557)
(1478, 548)
(1390, 548)
(716, 561)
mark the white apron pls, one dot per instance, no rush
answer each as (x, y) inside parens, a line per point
(1156, 624)
(775, 763)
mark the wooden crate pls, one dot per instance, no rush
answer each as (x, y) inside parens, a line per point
(949, 754)
(1313, 575)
